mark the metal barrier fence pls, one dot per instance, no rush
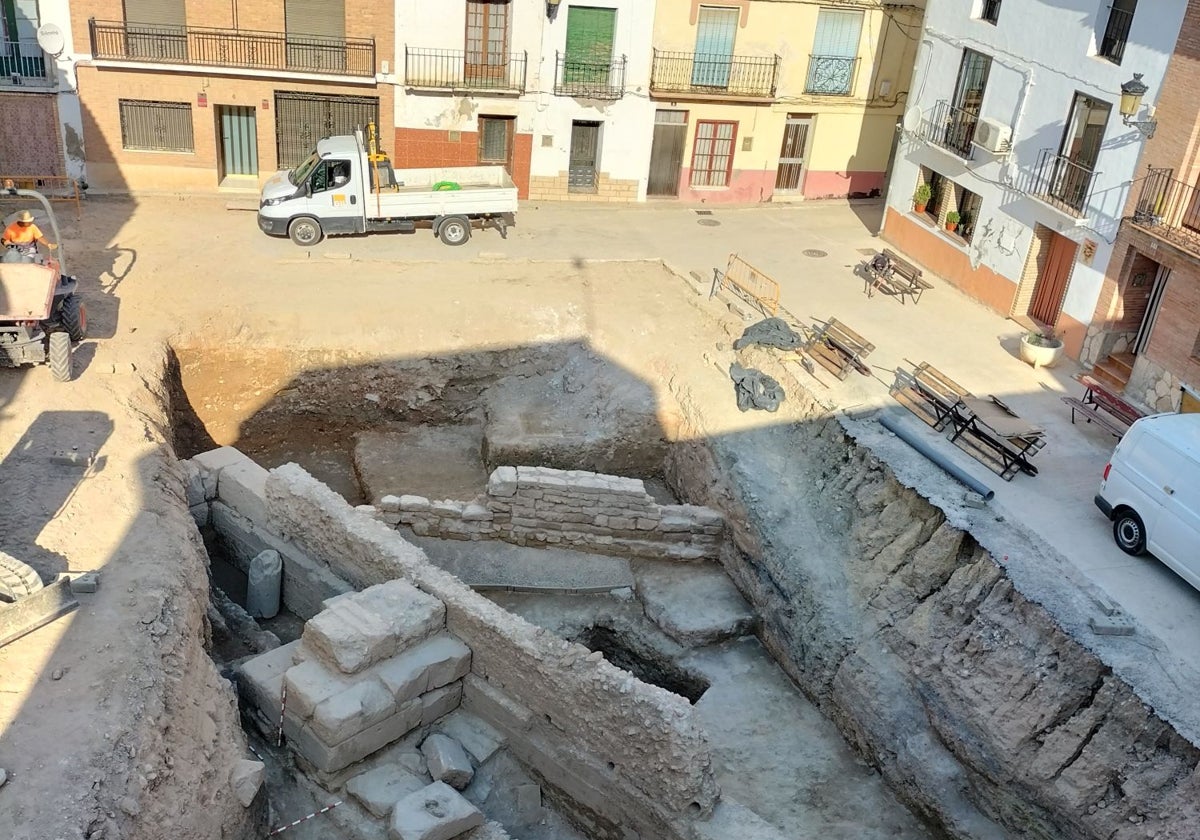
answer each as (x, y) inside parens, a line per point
(54, 187)
(750, 284)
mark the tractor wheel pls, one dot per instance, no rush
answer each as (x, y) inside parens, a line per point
(74, 317)
(16, 579)
(305, 231)
(60, 356)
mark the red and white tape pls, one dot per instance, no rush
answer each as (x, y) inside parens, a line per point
(282, 712)
(284, 828)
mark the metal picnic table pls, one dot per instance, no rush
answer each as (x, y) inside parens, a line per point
(996, 436)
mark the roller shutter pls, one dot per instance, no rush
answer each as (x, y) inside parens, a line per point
(155, 12)
(324, 18)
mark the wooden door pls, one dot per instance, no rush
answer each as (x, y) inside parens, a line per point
(1052, 280)
(791, 156)
(487, 42)
(585, 157)
(666, 152)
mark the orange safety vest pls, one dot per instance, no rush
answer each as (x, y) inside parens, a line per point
(22, 234)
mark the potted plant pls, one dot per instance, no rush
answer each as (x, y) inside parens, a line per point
(964, 225)
(952, 220)
(1041, 349)
(921, 197)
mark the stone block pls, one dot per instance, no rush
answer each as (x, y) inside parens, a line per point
(440, 702)
(352, 711)
(349, 636)
(529, 804)
(447, 508)
(622, 523)
(687, 552)
(415, 504)
(380, 789)
(502, 482)
(261, 679)
(475, 512)
(674, 522)
(477, 736)
(264, 584)
(246, 779)
(311, 683)
(390, 504)
(243, 487)
(447, 760)
(211, 464)
(85, 584)
(431, 664)
(201, 514)
(647, 524)
(330, 758)
(193, 484)
(411, 615)
(436, 812)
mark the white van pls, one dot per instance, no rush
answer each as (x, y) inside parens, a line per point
(1151, 492)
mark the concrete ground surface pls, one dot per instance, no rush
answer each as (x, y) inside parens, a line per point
(190, 269)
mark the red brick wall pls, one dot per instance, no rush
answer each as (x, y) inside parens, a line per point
(421, 148)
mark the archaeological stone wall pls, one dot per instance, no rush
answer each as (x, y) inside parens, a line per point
(539, 506)
(627, 757)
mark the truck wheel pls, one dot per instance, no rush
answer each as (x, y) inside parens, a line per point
(60, 356)
(73, 315)
(1130, 533)
(454, 230)
(305, 231)
(17, 579)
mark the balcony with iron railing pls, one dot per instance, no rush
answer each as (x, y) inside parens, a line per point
(1169, 209)
(1064, 184)
(239, 48)
(437, 69)
(1116, 34)
(831, 75)
(589, 79)
(708, 76)
(950, 128)
(24, 63)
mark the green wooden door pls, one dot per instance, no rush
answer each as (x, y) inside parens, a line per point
(589, 44)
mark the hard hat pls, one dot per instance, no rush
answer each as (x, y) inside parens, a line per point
(25, 216)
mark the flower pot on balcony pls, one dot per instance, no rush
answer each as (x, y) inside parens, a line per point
(952, 226)
(919, 208)
(1041, 350)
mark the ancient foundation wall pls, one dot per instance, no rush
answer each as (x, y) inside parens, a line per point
(601, 514)
(626, 756)
(978, 708)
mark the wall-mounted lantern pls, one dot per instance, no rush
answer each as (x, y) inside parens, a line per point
(1131, 102)
(552, 8)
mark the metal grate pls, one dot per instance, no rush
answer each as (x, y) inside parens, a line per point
(589, 79)
(156, 126)
(831, 75)
(301, 119)
(1116, 33)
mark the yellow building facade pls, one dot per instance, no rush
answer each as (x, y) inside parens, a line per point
(771, 100)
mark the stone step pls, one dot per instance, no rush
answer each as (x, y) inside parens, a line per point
(1115, 378)
(1122, 362)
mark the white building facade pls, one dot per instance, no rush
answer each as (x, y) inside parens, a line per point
(1014, 162)
(558, 92)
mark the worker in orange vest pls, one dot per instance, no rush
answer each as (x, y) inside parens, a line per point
(24, 235)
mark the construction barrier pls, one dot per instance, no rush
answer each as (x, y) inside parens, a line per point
(54, 187)
(748, 283)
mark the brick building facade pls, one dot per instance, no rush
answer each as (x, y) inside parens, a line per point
(1145, 335)
(201, 94)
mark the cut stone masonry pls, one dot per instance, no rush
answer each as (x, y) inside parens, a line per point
(601, 514)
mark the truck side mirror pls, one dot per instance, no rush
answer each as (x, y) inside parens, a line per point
(308, 189)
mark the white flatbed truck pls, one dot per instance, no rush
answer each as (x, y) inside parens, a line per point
(347, 186)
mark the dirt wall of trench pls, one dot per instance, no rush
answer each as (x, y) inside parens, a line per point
(980, 711)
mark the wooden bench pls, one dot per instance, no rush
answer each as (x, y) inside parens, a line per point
(900, 279)
(928, 393)
(1094, 414)
(1102, 407)
(839, 349)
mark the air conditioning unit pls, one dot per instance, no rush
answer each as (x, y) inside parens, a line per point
(992, 136)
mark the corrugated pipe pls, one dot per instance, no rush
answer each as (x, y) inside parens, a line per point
(932, 454)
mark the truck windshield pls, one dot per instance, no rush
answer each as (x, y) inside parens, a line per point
(300, 174)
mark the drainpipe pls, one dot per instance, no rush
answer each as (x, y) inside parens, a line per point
(936, 457)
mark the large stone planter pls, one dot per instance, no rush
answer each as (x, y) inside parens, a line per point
(1045, 353)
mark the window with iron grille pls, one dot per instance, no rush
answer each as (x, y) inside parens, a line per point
(990, 11)
(1116, 31)
(712, 153)
(495, 139)
(156, 126)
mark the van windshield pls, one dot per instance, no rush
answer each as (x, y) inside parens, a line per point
(300, 174)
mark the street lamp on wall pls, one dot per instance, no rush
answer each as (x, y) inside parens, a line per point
(1131, 102)
(552, 8)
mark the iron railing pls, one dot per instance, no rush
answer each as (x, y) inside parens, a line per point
(991, 11)
(721, 75)
(1062, 183)
(830, 75)
(1170, 207)
(244, 48)
(1116, 34)
(460, 70)
(22, 62)
(589, 79)
(951, 128)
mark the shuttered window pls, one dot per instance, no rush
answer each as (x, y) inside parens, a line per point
(837, 33)
(590, 35)
(155, 12)
(716, 29)
(322, 18)
(156, 126)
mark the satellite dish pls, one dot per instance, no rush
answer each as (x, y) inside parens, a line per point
(51, 39)
(912, 118)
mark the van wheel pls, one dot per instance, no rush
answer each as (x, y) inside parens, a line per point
(305, 231)
(454, 230)
(1130, 533)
